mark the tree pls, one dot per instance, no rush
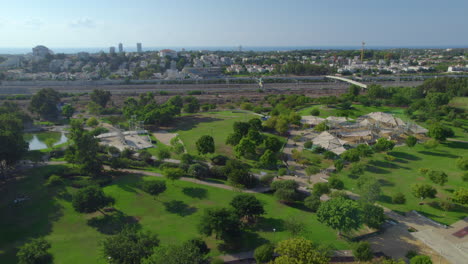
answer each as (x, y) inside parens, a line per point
(372, 215)
(339, 164)
(399, 198)
(256, 124)
(272, 143)
(154, 188)
(264, 253)
(247, 206)
(421, 259)
(188, 252)
(233, 139)
(369, 188)
(12, 144)
(145, 156)
(198, 171)
(423, 191)
(129, 246)
(68, 110)
(286, 195)
(461, 195)
(335, 183)
(35, 252)
(322, 127)
(340, 214)
(163, 154)
(320, 188)
(92, 122)
(384, 144)
(50, 142)
(315, 112)
(438, 177)
(45, 103)
(351, 155)
(362, 251)
(205, 144)
(241, 128)
(312, 202)
(411, 141)
(268, 160)
(192, 105)
(245, 148)
(90, 199)
(462, 163)
(255, 137)
(173, 174)
(300, 251)
(354, 90)
(440, 132)
(222, 222)
(100, 97)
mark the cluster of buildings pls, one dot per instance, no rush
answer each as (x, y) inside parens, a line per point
(345, 133)
(43, 64)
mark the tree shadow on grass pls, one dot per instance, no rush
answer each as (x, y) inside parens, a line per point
(453, 144)
(438, 154)
(243, 242)
(404, 155)
(195, 192)
(374, 169)
(111, 224)
(385, 182)
(384, 164)
(455, 207)
(385, 198)
(179, 208)
(268, 224)
(187, 123)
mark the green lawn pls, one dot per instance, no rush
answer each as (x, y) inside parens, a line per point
(216, 124)
(459, 102)
(401, 174)
(49, 214)
(356, 111)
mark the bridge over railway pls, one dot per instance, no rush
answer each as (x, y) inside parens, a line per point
(364, 86)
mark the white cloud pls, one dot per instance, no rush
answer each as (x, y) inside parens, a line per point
(83, 23)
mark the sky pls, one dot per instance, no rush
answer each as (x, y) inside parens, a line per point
(179, 23)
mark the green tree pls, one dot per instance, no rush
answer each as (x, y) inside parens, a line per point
(247, 206)
(233, 139)
(351, 155)
(68, 110)
(92, 122)
(440, 132)
(312, 202)
(423, 191)
(315, 112)
(129, 246)
(205, 144)
(272, 143)
(438, 177)
(50, 142)
(462, 163)
(340, 214)
(198, 171)
(174, 174)
(335, 183)
(369, 189)
(154, 188)
(45, 103)
(222, 222)
(163, 154)
(322, 127)
(320, 188)
(91, 199)
(187, 252)
(384, 144)
(35, 252)
(300, 251)
(362, 251)
(339, 165)
(241, 128)
(264, 253)
(245, 148)
(399, 198)
(461, 195)
(421, 259)
(255, 137)
(372, 215)
(268, 160)
(100, 97)
(411, 141)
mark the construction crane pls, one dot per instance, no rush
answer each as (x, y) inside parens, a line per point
(362, 51)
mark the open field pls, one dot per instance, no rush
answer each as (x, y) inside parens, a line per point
(216, 124)
(459, 102)
(173, 216)
(400, 174)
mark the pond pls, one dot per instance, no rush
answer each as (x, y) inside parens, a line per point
(37, 140)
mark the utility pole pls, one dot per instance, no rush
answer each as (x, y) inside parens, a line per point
(362, 51)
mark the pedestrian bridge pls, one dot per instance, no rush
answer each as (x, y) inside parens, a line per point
(364, 86)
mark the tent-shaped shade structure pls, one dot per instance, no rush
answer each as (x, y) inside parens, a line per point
(312, 120)
(329, 142)
(383, 118)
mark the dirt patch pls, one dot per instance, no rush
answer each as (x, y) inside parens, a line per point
(164, 136)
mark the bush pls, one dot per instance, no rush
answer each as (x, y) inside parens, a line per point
(154, 187)
(465, 177)
(420, 259)
(335, 183)
(399, 198)
(423, 171)
(266, 180)
(358, 168)
(34, 252)
(54, 180)
(264, 253)
(320, 188)
(287, 184)
(315, 112)
(219, 160)
(311, 170)
(312, 202)
(339, 165)
(431, 144)
(462, 163)
(389, 158)
(363, 252)
(282, 171)
(351, 155)
(329, 155)
(308, 144)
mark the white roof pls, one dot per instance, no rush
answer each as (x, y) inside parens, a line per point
(312, 120)
(417, 129)
(330, 142)
(361, 133)
(385, 118)
(337, 119)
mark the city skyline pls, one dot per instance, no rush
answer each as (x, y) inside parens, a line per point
(212, 24)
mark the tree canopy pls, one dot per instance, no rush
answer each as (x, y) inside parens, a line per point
(90, 199)
(300, 251)
(45, 103)
(205, 144)
(340, 214)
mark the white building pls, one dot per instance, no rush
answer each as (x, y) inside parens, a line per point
(168, 52)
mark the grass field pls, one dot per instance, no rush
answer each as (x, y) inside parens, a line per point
(216, 124)
(401, 174)
(174, 217)
(356, 111)
(459, 102)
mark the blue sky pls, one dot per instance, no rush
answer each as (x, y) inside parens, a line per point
(102, 23)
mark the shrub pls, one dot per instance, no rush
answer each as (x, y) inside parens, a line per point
(358, 168)
(315, 112)
(266, 180)
(431, 144)
(329, 155)
(320, 188)
(389, 158)
(423, 171)
(351, 155)
(399, 198)
(362, 251)
(282, 171)
(287, 184)
(312, 202)
(308, 144)
(264, 253)
(339, 165)
(311, 170)
(420, 259)
(465, 177)
(462, 163)
(54, 180)
(335, 183)
(217, 261)
(219, 160)
(35, 251)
